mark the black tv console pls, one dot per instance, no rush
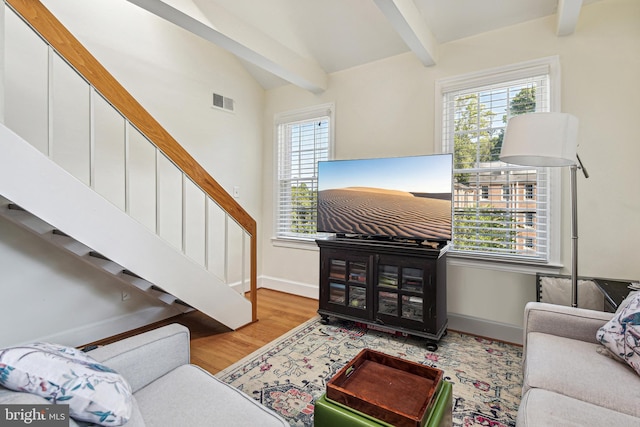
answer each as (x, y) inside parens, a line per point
(389, 285)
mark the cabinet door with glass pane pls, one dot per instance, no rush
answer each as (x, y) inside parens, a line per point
(402, 286)
(347, 280)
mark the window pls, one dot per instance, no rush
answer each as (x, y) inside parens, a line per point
(304, 137)
(516, 225)
(528, 188)
(529, 219)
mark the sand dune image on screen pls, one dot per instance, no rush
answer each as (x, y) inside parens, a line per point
(380, 212)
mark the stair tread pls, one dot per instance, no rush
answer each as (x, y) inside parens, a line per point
(98, 255)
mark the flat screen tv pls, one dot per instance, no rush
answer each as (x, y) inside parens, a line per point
(387, 198)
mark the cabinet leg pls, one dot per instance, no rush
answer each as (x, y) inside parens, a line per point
(432, 346)
(324, 319)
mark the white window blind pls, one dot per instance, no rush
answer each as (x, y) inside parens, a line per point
(304, 138)
(501, 211)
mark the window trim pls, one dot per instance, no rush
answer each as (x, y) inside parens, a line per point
(548, 65)
(300, 114)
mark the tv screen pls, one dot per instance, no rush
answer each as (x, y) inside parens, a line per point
(395, 197)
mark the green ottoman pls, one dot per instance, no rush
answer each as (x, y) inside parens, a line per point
(328, 413)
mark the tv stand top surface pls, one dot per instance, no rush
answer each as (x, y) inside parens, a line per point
(410, 246)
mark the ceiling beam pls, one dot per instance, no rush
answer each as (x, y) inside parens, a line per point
(406, 19)
(266, 54)
(568, 13)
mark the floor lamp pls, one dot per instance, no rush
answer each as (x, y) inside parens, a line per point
(548, 139)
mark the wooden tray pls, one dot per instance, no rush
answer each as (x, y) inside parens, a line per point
(393, 390)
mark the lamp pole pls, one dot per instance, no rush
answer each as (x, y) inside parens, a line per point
(574, 228)
(574, 236)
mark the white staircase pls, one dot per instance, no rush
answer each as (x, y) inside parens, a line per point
(85, 167)
(42, 197)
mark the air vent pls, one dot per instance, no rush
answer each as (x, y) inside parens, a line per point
(223, 102)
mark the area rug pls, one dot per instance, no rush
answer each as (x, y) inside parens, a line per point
(288, 374)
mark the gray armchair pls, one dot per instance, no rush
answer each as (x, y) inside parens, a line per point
(569, 377)
(168, 391)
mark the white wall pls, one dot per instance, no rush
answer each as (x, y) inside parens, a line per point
(387, 109)
(50, 295)
(173, 74)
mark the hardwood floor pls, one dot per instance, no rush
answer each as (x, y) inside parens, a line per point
(215, 347)
(278, 313)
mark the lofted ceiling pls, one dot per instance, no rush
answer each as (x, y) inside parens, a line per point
(302, 41)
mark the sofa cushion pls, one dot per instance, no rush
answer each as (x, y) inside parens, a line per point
(576, 369)
(188, 395)
(10, 397)
(543, 408)
(136, 419)
(145, 357)
(621, 335)
(65, 375)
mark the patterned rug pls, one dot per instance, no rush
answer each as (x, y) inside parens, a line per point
(291, 372)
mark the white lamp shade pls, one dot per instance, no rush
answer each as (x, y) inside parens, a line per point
(540, 139)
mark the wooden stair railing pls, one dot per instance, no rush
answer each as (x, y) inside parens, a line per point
(51, 30)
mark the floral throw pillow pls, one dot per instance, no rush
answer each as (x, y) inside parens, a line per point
(621, 335)
(65, 375)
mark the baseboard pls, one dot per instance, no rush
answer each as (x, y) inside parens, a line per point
(485, 328)
(297, 288)
(109, 327)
